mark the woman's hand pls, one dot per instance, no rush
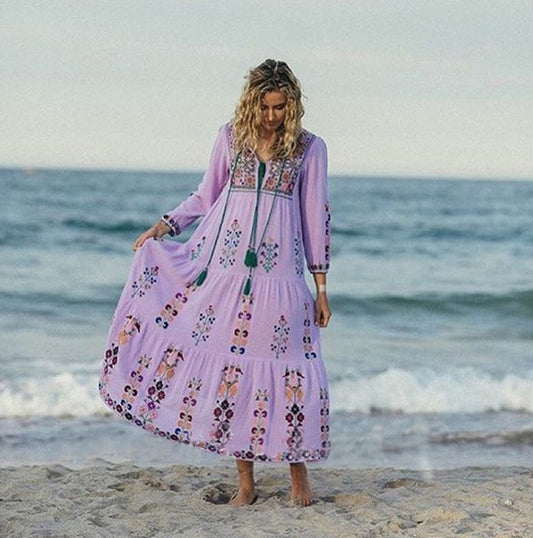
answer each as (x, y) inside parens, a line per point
(158, 230)
(322, 311)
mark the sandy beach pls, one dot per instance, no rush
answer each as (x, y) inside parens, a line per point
(122, 500)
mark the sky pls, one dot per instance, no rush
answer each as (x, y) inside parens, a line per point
(407, 88)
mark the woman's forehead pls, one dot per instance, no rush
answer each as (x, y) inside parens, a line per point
(273, 98)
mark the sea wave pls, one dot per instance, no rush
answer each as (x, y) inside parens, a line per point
(53, 302)
(59, 395)
(519, 302)
(522, 437)
(121, 226)
(462, 390)
(393, 391)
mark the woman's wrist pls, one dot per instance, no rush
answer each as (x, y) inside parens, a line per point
(163, 226)
(321, 289)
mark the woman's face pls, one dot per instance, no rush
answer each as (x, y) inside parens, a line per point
(273, 111)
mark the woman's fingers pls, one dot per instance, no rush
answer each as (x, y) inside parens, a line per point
(322, 314)
(157, 231)
(139, 242)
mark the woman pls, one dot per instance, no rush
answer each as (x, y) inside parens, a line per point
(213, 342)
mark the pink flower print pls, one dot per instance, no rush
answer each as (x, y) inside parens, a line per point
(130, 391)
(131, 326)
(258, 429)
(224, 410)
(295, 416)
(110, 361)
(242, 328)
(156, 391)
(172, 309)
(185, 416)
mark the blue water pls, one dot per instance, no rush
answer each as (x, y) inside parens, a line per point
(429, 350)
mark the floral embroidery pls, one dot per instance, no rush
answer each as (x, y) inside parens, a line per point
(268, 254)
(231, 242)
(308, 345)
(203, 325)
(144, 281)
(298, 255)
(242, 329)
(244, 176)
(245, 173)
(294, 395)
(156, 391)
(224, 411)
(183, 431)
(291, 168)
(324, 421)
(131, 326)
(172, 309)
(258, 430)
(195, 252)
(110, 361)
(131, 390)
(281, 336)
(313, 454)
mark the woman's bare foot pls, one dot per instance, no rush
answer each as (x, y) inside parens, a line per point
(301, 490)
(246, 494)
(243, 497)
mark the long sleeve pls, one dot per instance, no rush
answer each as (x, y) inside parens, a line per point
(315, 207)
(201, 200)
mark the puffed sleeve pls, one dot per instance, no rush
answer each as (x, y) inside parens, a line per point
(201, 200)
(315, 207)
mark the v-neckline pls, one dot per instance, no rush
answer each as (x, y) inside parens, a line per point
(259, 160)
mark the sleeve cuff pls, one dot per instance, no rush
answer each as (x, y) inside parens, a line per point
(319, 268)
(172, 224)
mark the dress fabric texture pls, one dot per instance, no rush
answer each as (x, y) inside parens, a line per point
(231, 364)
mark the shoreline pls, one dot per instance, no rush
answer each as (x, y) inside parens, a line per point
(127, 500)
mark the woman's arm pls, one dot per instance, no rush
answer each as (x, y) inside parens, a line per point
(315, 212)
(201, 200)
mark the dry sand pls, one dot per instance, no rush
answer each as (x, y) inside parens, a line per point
(118, 501)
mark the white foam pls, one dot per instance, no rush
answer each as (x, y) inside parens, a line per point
(60, 395)
(459, 391)
(464, 390)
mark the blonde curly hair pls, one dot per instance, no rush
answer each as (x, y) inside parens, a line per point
(271, 75)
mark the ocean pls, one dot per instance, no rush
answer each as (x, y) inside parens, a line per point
(429, 350)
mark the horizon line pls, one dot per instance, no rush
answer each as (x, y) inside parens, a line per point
(343, 175)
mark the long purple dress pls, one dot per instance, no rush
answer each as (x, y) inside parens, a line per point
(229, 359)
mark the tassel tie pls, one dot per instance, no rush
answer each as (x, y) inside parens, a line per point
(250, 258)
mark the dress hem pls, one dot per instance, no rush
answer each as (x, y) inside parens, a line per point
(183, 437)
